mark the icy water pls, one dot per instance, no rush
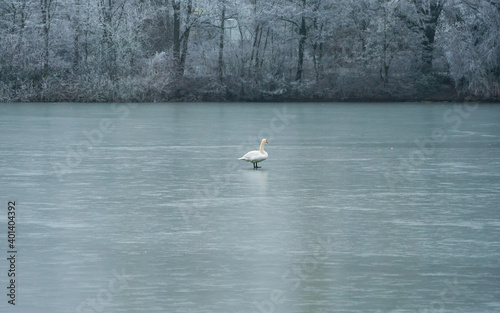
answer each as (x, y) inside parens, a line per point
(359, 208)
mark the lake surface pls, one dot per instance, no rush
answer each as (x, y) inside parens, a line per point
(145, 208)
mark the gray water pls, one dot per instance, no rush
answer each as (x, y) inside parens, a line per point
(359, 208)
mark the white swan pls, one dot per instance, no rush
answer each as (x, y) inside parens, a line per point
(256, 156)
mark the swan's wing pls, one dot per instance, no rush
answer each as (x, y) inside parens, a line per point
(249, 155)
(253, 156)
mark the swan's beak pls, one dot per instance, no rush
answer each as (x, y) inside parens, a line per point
(267, 142)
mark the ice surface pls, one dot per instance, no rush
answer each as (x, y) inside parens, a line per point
(158, 215)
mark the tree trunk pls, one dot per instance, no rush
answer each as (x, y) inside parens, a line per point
(256, 46)
(185, 37)
(221, 43)
(167, 30)
(302, 43)
(76, 36)
(181, 40)
(428, 45)
(45, 11)
(107, 38)
(265, 47)
(385, 64)
(317, 48)
(176, 6)
(429, 11)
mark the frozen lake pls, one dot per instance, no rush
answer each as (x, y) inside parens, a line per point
(359, 208)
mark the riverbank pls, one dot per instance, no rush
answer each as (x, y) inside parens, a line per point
(233, 89)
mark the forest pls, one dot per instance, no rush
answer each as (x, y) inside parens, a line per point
(249, 50)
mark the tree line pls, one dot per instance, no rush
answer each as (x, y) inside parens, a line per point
(249, 50)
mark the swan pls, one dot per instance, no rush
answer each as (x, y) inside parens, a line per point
(256, 156)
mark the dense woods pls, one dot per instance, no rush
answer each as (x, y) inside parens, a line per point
(249, 50)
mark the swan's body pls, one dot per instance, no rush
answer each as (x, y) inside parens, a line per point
(256, 156)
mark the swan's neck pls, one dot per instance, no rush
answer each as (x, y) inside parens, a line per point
(262, 147)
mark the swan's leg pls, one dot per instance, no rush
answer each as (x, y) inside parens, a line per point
(254, 165)
(257, 166)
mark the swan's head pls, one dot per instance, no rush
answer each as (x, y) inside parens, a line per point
(264, 141)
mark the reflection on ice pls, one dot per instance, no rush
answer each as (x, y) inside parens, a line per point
(255, 181)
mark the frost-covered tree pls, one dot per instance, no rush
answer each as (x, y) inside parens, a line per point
(473, 47)
(14, 16)
(90, 50)
(423, 19)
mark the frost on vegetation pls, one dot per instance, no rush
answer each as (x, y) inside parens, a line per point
(249, 50)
